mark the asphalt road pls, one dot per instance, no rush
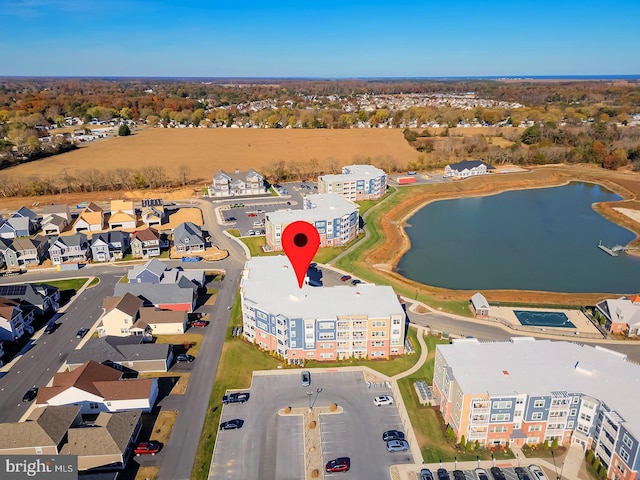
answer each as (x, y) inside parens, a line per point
(48, 352)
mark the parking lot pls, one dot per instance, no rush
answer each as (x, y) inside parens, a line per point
(509, 472)
(252, 210)
(272, 446)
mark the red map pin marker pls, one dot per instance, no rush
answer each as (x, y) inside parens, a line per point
(300, 241)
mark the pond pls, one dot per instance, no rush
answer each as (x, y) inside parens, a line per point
(540, 239)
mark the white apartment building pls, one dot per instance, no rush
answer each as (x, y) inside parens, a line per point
(356, 182)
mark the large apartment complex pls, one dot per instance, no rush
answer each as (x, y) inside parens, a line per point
(335, 218)
(529, 391)
(316, 322)
(356, 182)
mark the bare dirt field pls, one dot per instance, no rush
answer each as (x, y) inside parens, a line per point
(207, 150)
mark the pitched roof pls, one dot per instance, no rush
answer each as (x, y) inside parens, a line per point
(157, 294)
(149, 315)
(92, 218)
(83, 378)
(18, 223)
(479, 301)
(121, 217)
(110, 435)
(25, 212)
(187, 233)
(469, 164)
(118, 349)
(47, 427)
(54, 219)
(153, 266)
(75, 240)
(126, 303)
(55, 209)
(146, 235)
(92, 207)
(125, 389)
(121, 205)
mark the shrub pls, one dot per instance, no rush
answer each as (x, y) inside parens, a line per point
(463, 442)
(124, 130)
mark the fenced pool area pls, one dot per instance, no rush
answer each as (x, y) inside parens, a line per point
(536, 318)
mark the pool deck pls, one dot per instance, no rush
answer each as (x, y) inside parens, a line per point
(584, 327)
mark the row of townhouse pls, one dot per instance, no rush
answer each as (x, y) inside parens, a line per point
(335, 218)
(363, 321)
(528, 391)
(57, 218)
(467, 168)
(236, 184)
(100, 247)
(355, 183)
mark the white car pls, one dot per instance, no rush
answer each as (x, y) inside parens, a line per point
(383, 400)
(537, 472)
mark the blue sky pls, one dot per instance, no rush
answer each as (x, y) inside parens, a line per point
(219, 38)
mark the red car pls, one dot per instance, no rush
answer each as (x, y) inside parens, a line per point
(342, 464)
(147, 448)
(199, 323)
(344, 278)
(252, 214)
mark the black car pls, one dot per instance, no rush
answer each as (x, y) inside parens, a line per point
(232, 424)
(355, 281)
(50, 328)
(230, 219)
(30, 395)
(82, 332)
(459, 475)
(497, 474)
(239, 397)
(443, 474)
(183, 357)
(522, 474)
(425, 474)
(392, 435)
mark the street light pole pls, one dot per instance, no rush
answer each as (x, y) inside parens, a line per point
(555, 467)
(318, 390)
(478, 458)
(309, 395)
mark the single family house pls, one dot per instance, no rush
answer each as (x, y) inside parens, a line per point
(145, 243)
(69, 249)
(109, 246)
(238, 183)
(188, 238)
(120, 313)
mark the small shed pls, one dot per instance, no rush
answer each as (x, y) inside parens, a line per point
(480, 305)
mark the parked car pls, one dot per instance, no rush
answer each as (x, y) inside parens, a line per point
(537, 472)
(260, 210)
(305, 378)
(481, 474)
(355, 281)
(497, 473)
(82, 332)
(443, 474)
(147, 448)
(230, 219)
(397, 446)
(392, 435)
(31, 394)
(252, 214)
(238, 397)
(344, 278)
(425, 474)
(522, 474)
(342, 464)
(459, 475)
(51, 328)
(183, 357)
(234, 424)
(383, 400)
(199, 323)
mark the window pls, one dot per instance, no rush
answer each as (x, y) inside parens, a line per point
(585, 417)
(576, 400)
(499, 429)
(570, 424)
(325, 325)
(573, 412)
(500, 417)
(378, 334)
(624, 455)
(126, 321)
(533, 440)
(538, 404)
(326, 345)
(626, 439)
(325, 336)
(378, 323)
(124, 330)
(519, 401)
(536, 416)
(535, 428)
(501, 405)
(93, 405)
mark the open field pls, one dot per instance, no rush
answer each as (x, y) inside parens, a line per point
(206, 150)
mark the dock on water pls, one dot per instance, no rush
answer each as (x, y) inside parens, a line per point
(607, 250)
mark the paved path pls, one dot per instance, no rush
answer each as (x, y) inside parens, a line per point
(421, 360)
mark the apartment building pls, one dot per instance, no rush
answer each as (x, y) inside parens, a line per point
(335, 218)
(320, 323)
(528, 391)
(356, 182)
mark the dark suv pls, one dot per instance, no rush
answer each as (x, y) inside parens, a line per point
(239, 397)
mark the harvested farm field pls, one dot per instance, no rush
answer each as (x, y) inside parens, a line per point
(206, 150)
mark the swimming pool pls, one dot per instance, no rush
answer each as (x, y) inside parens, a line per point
(536, 318)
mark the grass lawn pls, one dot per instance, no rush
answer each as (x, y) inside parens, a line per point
(94, 282)
(147, 473)
(365, 205)
(233, 232)
(386, 367)
(194, 339)
(74, 284)
(324, 254)
(237, 363)
(180, 386)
